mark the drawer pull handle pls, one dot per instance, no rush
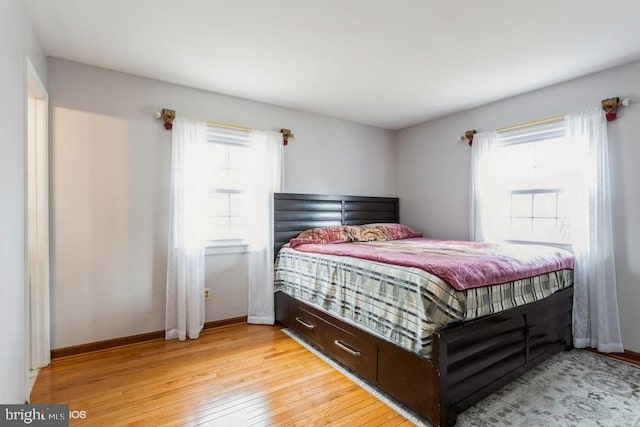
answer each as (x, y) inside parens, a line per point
(304, 323)
(346, 348)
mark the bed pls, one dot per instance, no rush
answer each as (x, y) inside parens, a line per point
(454, 366)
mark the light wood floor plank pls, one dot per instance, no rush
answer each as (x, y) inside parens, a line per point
(237, 375)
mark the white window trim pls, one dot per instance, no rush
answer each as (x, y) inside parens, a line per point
(565, 246)
(226, 246)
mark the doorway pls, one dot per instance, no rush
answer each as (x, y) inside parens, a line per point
(37, 228)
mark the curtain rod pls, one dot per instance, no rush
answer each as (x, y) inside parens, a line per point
(168, 116)
(609, 106)
(531, 123)
(226, 126)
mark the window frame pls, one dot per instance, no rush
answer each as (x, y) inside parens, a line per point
(226, 245)
(534, 135)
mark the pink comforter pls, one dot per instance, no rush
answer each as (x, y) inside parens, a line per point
(463, 265)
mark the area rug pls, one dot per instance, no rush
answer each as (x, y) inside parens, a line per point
(574, 388)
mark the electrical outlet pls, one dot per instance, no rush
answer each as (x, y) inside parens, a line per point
(207, 293)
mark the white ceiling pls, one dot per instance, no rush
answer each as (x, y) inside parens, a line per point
(379, 62)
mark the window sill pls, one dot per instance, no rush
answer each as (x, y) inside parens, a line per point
(218, 247)
(565, 246)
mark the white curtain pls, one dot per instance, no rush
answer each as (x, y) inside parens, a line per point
(267, 174)
(484, 187)
(188, 216)
(584, 179)
(595, 304)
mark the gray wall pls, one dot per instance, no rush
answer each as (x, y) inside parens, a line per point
(17, 42)
(110, 173)
(110, 180)
(433, 169)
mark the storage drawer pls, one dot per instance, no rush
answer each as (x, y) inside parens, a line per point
(356, 353)
(307, 324)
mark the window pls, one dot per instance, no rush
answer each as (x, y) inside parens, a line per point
(538, 178)
(228, 156)
(535, 215)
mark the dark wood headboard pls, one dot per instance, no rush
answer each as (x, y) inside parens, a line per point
(294, 213)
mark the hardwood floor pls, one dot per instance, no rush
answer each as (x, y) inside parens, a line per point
(628, 356)
(238, 375)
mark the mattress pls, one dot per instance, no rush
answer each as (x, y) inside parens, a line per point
(401, 304)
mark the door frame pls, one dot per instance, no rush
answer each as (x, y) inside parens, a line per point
(37, 249)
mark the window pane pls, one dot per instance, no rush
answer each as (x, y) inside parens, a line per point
(521, 205)
(564, 205)
(544, 205)
(548, 155)
(238, 227)
(564, 230)
(218, 204)
(238, 157)
(238, 205)
(219, 156)
(235, 179)
(227, 216)
(520, 229)
(219, 227)
(544, 230)
(220, 179)
(228, 166)
(519, 160)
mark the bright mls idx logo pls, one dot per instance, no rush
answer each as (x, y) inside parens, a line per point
(34, 415)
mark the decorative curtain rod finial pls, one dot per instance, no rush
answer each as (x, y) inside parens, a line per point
(168, 116)
(468, 136)
(286, 134)
(610, 107)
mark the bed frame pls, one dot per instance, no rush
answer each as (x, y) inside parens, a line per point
(470, 360)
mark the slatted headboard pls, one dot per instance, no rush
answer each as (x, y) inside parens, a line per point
(294, 213)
